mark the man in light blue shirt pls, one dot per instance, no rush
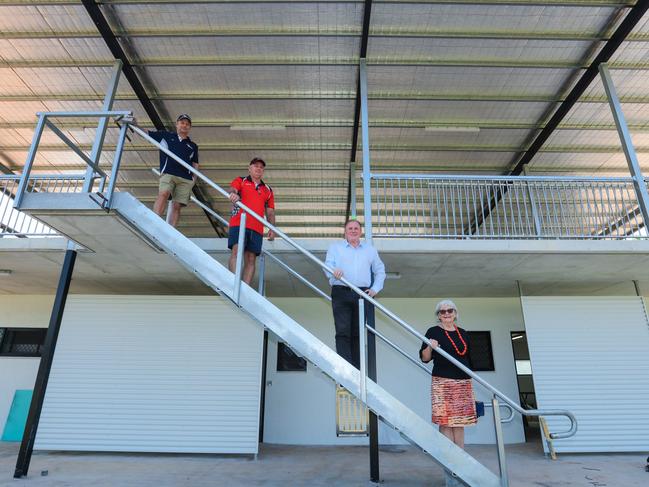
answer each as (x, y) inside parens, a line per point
(359, 263)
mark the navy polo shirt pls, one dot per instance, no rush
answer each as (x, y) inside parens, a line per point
(183, 148)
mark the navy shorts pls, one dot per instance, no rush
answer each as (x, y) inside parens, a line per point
(252, 241)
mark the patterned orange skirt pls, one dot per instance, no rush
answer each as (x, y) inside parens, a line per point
(452, 402)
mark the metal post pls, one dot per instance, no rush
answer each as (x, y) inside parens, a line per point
(239, 267)
(100, 134)
(371, 373)
(352, 189)
(362, 338)
(42, 378)
(262, 402)
(535, 212)
(262, 274)
(367, 198)
(500, 443)
(27, 168)
(116, 163)
(627, 144)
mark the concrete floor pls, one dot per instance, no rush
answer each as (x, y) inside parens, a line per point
(312, 466)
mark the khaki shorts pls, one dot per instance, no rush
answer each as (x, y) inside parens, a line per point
(180, 188)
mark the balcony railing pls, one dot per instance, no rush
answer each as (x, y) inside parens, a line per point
(441, 207)
(526, 207)
(14, 223)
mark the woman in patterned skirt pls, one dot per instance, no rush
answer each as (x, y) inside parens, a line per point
(453, 404)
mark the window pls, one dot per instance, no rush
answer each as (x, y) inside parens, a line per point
(22, 342)
(288, 360)
(481, 355)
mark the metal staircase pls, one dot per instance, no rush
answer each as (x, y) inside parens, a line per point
(391, 411)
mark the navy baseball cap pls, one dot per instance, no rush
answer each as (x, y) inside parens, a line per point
(257, 160)
(184, 116)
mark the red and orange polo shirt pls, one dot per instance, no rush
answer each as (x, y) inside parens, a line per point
(257, 197)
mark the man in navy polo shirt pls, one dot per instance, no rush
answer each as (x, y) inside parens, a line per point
(176, 181)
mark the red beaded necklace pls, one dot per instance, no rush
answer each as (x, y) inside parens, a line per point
(457, 350)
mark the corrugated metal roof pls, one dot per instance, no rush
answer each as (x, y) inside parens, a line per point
(482, 76)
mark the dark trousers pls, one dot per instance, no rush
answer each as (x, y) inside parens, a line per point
(344, 303)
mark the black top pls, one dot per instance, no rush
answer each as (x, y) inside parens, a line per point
(186, 149)
(441, 366)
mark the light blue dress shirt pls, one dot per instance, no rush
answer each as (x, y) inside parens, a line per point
(358, 264)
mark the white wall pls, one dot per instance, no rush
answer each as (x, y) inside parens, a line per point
(154, 374)
(591, 356)
(20, 372)
(300, 407)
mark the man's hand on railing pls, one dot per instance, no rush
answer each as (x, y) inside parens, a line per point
(371, 293)
(271, 235)
(234, 197)
(338, 273)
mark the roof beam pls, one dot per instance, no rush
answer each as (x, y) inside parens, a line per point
(118, 52)
(318, 62)
(616, 168)
(295, 32)
(546, 3)
(310, 61)
(531, 3)
(386, 96)
(395, 123)
(342, 146)
(630, 21)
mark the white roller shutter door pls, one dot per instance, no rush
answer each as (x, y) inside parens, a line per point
(590, 355)
(154, 374)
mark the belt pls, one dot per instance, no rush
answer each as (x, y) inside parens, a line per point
(363, 288)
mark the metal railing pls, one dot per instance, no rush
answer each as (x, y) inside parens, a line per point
(45, 120)
(495, 393)
(522, 207)
(14, 223)
(264, 252)
(508, 419)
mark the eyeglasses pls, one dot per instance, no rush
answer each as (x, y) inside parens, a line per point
(446, 311)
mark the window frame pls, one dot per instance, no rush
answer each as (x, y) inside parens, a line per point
(284, 350)
(8, 339)
(490, 350)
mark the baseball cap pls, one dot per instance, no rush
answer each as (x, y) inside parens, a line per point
(256, 160)
(184, 116)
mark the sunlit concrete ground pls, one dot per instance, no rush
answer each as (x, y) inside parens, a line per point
(312, 466)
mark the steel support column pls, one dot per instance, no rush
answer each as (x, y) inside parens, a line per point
(627, 144)
(365, 37)
(100, 134)
(352, 189)
(264, 358)
(367, 198)
(371, 373)
(43, 376)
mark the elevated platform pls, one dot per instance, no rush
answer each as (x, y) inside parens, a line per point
(118, 259)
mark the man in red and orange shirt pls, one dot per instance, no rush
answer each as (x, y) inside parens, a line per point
(257, 196)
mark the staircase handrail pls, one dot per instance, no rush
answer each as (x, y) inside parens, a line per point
(525, 412)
